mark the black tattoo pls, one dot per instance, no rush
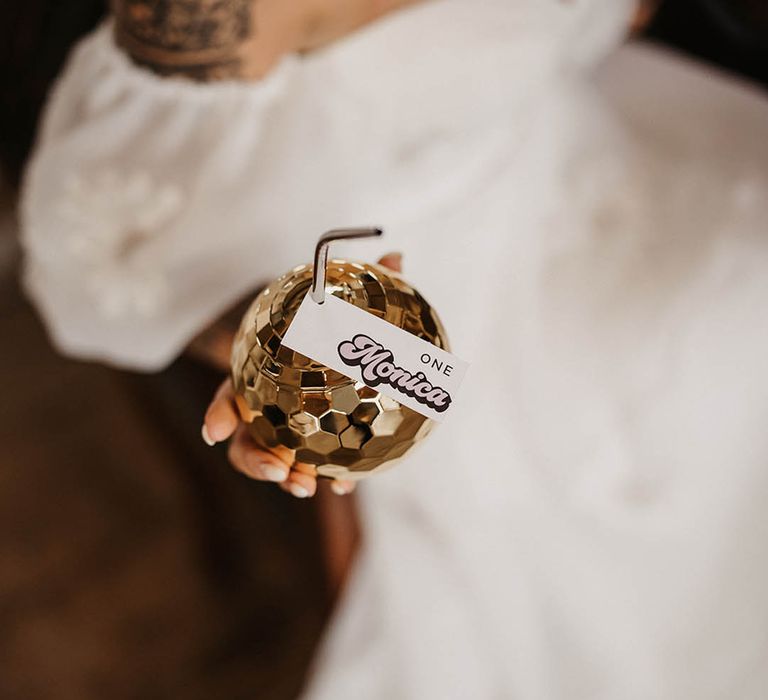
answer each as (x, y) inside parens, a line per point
(199, 39)
(188, 25)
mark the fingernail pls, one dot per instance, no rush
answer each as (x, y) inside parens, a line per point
(274, 473)
(338, 489)
(207, 439)
(299, 491)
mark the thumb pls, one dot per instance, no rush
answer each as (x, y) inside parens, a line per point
(394, 261)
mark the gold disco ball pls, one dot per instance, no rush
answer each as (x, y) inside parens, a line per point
(345, 428)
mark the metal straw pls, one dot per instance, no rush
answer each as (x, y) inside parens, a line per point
(321, 255)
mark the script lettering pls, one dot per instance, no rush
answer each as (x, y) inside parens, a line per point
(377, 365)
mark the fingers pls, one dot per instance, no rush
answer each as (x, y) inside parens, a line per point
(221, 418)
(257, 463)
(394, 261)
(301, 482)
(341, 487)
(254, 461)
(284, 453)
(222, 421)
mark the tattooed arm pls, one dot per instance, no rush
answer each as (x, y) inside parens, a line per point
(197, 39)
(233, 39)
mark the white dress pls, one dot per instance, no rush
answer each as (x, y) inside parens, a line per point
(590, 524)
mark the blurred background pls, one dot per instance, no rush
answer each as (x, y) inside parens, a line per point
(113, 581)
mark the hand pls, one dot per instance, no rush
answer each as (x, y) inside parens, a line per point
(278, 464)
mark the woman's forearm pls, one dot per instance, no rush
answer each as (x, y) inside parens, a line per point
(204, 39)
(234, 39)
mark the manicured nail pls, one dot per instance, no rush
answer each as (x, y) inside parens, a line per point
(298, 491)
(275, 473)
(207, 439)
(338, 489)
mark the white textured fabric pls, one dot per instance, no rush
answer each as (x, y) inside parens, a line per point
(590, 525)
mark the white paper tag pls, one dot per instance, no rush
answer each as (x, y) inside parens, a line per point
(368, 349)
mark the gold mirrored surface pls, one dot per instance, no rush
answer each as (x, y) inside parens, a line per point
(345, 428)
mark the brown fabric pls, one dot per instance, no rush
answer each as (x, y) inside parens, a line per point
(135, 562)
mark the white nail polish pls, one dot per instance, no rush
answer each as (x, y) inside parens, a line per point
(274, 474)
(338, 489)
(299, 491)
(207, 439)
